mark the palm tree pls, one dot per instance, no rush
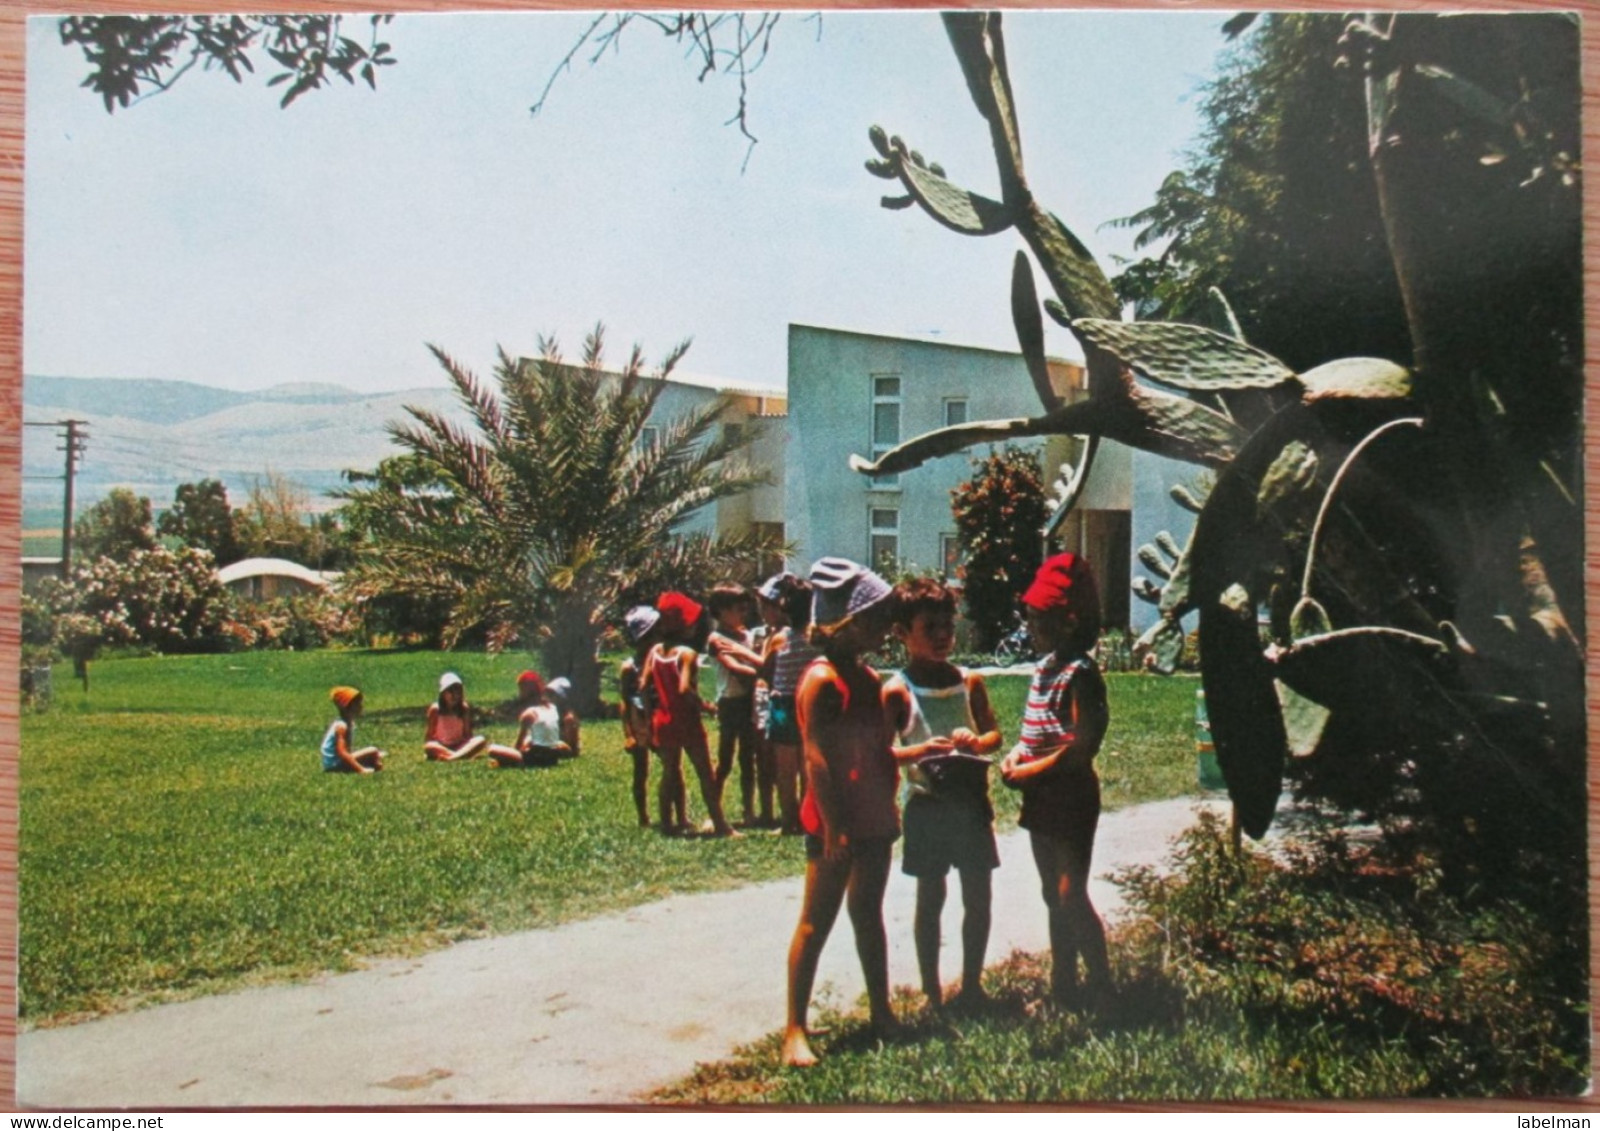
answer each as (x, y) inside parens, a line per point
(531, 523)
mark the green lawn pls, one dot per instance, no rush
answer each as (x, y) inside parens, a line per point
(178, 836)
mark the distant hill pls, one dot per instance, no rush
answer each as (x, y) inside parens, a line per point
(151, 435)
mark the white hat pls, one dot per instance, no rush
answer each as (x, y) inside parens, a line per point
(772, 588)
(639, 620)
(449, 680)
(559, 687)
(840, 588)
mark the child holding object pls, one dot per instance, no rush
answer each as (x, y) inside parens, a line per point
(338, 753)
(671, 670)
(1053, 765)
(539, 741)
(849, 812)
(639, 625)
(945, 727)
(449, 736)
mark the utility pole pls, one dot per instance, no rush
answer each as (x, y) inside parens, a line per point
(75, 439)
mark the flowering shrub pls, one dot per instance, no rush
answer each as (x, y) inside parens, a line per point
(169, 600)
(999, 513)
(306, 620)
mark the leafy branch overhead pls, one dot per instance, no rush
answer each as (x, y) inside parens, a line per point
(133, 57)
(1404, 531)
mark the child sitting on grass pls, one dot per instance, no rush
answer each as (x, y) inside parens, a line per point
(639, 624)
(944, 722)
(337, 755)
(449, 736)
(559, 692)
(1063, 725)
(849, 813)
(539, 741)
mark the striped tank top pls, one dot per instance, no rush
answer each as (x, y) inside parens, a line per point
(1045, 725)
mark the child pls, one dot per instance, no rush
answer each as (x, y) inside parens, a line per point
(559, 693)
(449, 736)
(937, 711)
(671, 669)
(849, 813)
(736, 672)
(337, 757)
(639, 625)
(1053, 765)
(789, 652)
(539, 741)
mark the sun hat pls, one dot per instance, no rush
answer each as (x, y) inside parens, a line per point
(841, 588)
(449, 680)
(343, 696)
(560, 687)
(678, 611)
(531, 679)
(638, 621)
(1062, 580)
(772, 588)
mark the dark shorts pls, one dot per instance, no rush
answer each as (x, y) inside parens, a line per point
(1066, 808)
(782, 724)
(947, 833)
(736, 715)
(540, 756)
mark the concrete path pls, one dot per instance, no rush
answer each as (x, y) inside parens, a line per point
(595, 1012)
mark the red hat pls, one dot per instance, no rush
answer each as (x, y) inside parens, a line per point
(531, 679)
(1062, 581)
(678, 612)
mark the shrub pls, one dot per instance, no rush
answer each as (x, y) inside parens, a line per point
(298, 623)
(169, 600)
(999, 515)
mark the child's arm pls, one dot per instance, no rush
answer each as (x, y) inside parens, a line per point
(341, 747)
(897, 707)
(820, 702)
(524, 730)
(987, 739)
(734, 656)
(1086, 714)
(569, 732)
(433, 723)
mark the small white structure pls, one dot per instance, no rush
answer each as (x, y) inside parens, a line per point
(264, 579)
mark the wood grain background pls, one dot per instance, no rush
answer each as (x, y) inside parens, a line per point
(12, 18)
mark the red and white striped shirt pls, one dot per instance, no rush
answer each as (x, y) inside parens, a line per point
(1046, 720)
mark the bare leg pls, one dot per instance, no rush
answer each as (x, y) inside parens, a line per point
(669, 803)
(869, 877)
(1074, 924)
(369, 756)
(787, 757)
(641, 784)
(766, 777)
(976, 900)
(925, 932)
(710, 787)
(825, 889)
(747, 765)
(505, 757)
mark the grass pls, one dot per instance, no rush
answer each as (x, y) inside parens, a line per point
(178, 837)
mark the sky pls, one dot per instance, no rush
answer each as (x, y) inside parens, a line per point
(207, 235)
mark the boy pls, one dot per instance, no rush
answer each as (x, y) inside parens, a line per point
(729, 605)
(945, 725)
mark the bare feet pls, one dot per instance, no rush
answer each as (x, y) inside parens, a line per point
(797, 1050)
(972, 1000)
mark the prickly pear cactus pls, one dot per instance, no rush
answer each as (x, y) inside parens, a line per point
(1388, 570)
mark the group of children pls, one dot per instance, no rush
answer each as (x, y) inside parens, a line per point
(935, 721)
(814, 729)
(546, 731)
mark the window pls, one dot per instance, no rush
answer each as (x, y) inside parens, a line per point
(950, 557)
(647, 436)
(955, 411)
(885, 424)
(883, 537)
(732, 434)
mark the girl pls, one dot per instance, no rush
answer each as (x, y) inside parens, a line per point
(849, 812)
(539, 741)
(337, 756)
(671, 670)
(1053, 765)
(449, 737)
(789, 652)
(639, 625)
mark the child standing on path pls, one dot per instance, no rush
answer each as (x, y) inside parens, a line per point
(729, 646)
(849, 813)
(338, 757)
(639, 624)
(671, 670)
(449, 736)
(944, 723)
(1053, 765)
